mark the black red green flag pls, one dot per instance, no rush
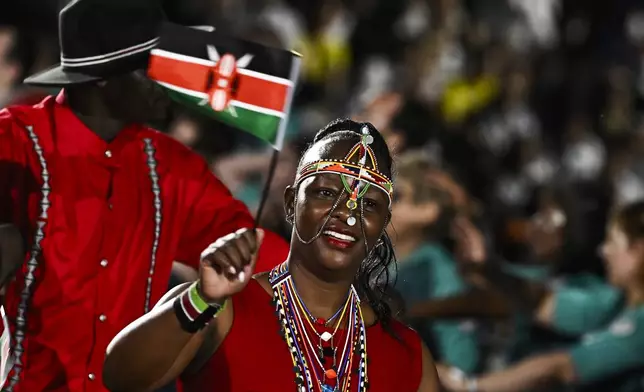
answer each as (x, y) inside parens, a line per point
(241, 83)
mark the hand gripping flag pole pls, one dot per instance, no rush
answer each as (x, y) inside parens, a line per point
(240, 83)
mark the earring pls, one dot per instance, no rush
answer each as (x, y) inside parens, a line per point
(290, 214)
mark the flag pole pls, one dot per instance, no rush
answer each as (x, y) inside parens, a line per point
(279, 141)
(267, 187)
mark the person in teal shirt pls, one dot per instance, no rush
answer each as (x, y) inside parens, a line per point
(610, 353)
(506, 293)
(425, 269)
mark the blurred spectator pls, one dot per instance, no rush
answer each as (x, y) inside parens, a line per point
(607, 356)
(185, 130)
(426, 270)
(10, 67)
(469, 94)
(584, 155)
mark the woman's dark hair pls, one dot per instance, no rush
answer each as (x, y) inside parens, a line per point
(630, 219)
(373, 280)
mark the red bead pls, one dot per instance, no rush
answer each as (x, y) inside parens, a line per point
(330, 374)
(320, 321)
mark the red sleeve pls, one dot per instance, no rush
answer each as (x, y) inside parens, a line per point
(213, 213)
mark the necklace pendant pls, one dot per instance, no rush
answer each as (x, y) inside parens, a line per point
(326, 336)
(331, 374)
(327, 388)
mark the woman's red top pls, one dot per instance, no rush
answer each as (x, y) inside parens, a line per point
(254, 358)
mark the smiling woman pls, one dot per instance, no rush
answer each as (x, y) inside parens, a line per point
(336, 331)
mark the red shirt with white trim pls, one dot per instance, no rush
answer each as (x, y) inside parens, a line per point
(104, 222)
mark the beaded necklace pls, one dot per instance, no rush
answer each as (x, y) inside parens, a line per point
(292, 313)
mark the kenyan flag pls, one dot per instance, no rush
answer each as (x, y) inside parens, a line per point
(243, 84)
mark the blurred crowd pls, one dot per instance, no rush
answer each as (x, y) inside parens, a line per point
(518, 126)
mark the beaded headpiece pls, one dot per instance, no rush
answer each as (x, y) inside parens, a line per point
(357, 178)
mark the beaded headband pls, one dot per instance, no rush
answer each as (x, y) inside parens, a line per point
(361, 177)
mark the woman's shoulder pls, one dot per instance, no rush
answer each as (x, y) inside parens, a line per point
(396, 336)
(392, 327)
(396, 350)
(407, 334)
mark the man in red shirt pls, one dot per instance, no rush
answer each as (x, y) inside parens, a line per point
(104, 203)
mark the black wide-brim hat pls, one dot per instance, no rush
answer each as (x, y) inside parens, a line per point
(102, 38)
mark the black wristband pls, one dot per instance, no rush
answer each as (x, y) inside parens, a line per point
(200, 321)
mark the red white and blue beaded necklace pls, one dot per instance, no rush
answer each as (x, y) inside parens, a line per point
(313, 372)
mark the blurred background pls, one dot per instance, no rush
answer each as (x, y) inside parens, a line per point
(518, 125)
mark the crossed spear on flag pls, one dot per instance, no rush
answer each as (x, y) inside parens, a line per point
(220, 88)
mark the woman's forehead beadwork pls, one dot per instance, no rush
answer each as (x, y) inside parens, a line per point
(362, 171)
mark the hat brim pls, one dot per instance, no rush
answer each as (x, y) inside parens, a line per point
(56, 76)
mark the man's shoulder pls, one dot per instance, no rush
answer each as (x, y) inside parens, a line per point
(165, 142)
(7, 119)
(175, 160)
(179, 155)
(11, 124)
(20, 116)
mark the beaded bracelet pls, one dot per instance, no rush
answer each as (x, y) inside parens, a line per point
(193, 312)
